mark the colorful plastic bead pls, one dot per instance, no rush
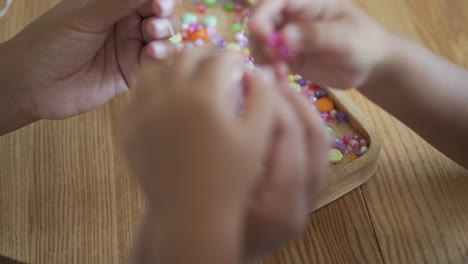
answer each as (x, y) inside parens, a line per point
(342, 117)
(238, 8)
(325, 116)
(321, 93)
(333, 113)
(301, 82)
(210, 21)
(236, 27)
(353, 144)
(346, 139)
(353, 158)
(233, 47)
(189, 18)
(229, 6)
(201, 9)
(363, 143)
(295, 86)
(361, 151)
(222, 43)
(330, 130)
(338, 144)
(356, 137)
(177, 38)
(325, 104)
(211, 3)
(210, 31)
(335, 156)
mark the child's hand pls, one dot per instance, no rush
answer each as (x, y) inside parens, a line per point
(82, 53)
(200, 165)
(334, 42)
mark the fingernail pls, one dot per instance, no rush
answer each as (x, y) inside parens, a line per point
(159, 50)
(161, 28)
(292, 36)
(268, 75)
(238, 74)
(166, 7)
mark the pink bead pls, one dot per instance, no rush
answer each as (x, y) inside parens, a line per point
(201, 9)
(353, 144)
(356, 137)
(346, 139)
(363, 143)
(238, 8)
(199, 42)
(326, 117)
(210, 31)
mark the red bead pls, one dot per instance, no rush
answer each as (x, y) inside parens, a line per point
(356, 137)
(201, 9)
(313, 87)
(353, 144)
(238, 8)
(346, 139)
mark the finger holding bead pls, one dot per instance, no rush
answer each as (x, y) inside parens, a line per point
(154, 28)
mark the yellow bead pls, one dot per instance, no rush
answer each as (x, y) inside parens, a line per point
(335, 156)
(296, 87)
(246, 52)
(233, 47)
(176, 38)
(291, 78)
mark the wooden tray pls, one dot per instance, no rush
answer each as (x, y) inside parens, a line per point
(346, 175)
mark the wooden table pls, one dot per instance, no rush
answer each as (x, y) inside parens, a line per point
(64, 187)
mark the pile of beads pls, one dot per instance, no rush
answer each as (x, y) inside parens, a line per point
(197, 31)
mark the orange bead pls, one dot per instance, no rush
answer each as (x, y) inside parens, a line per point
(325, 104)
(199, 34)
(353, 158)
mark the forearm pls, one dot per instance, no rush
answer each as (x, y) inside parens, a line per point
(189, 238)
(427, 93)
(16, 104)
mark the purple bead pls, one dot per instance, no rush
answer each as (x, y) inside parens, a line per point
(320, 93)
(222, 43)
(342, 117)
(340, 146)
(301, 82)
(338, 140)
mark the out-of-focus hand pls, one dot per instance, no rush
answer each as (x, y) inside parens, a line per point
(82, 53)
(198, 162)
(334, 42)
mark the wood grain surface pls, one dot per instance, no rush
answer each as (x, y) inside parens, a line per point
(64, 185)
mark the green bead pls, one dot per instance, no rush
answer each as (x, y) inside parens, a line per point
(229, 6)
(189, 18)
(236, 27)
(211, 3)
(335, 156)
(330, 130)
(210, 21)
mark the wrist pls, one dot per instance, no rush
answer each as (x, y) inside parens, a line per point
(17, 104)
(384, 68)
(182, 238)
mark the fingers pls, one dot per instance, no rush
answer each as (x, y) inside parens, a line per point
(157, 51)
(154, 28)
(159, 8)
(223, 73)
(317, 143)
(266, 15)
